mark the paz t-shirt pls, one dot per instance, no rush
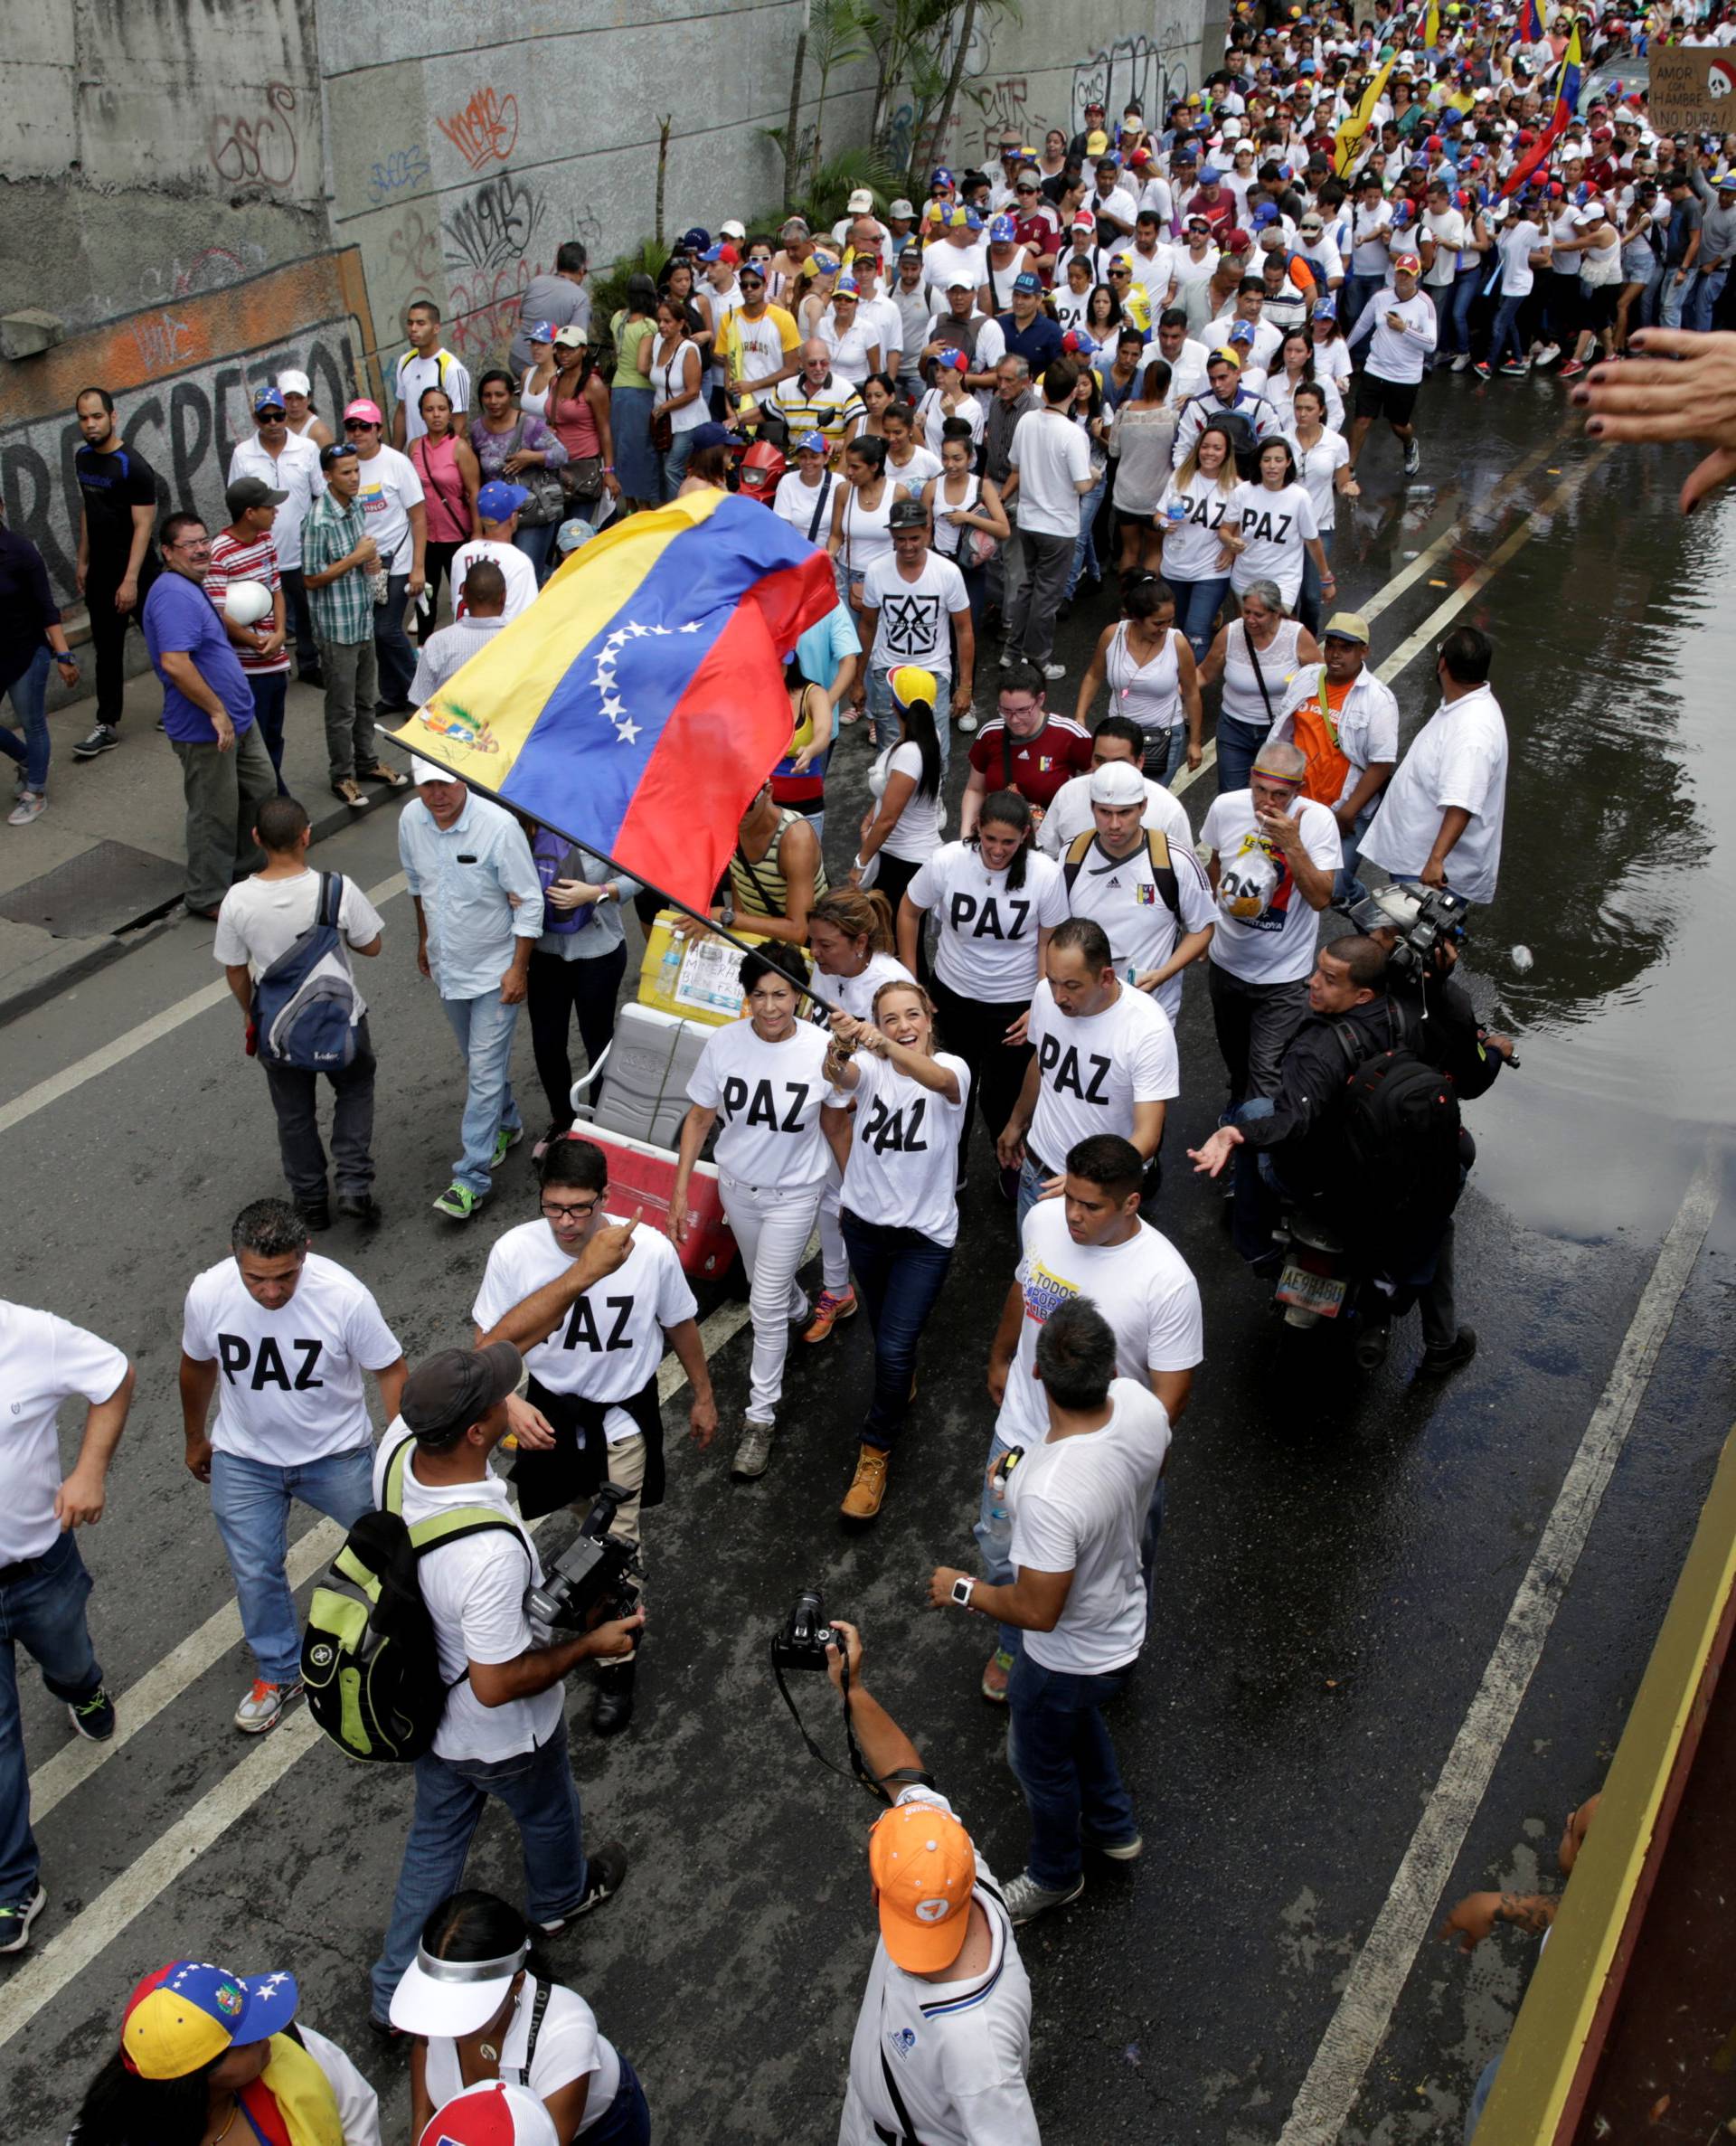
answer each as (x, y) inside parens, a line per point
(1079, 1504)
(1094, 1068)
(43, 1361)
(767, 1098)
(290, 1386)
(987, 946)
(904, 1147)
(613, 1340)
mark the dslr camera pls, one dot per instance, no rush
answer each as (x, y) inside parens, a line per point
(801, 1641)
(587, 1584)
(1424, 917)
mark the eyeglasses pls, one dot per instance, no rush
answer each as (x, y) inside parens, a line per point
(191, 543)
(553, 1212)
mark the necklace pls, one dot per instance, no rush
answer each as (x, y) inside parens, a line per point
(235, 2109)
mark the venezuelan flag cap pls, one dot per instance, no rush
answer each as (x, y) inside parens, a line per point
(184, 2016)
(910, 682)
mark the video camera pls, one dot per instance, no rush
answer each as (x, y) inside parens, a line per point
(801, 1641)
(587, 1584)
(1425, 918)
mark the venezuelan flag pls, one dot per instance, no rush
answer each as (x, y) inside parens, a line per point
(1567, 86)
(638, 704)
(1532, 23)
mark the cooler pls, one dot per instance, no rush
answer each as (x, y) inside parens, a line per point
(643, 1075)
(642, 1176)
(693, 978)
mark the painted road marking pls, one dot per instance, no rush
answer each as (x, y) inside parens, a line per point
(1365, 2008)
(97, 1062)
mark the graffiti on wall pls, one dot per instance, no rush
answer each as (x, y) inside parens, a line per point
(396, 173)
(259, 147)
(483, 131)
(489, 237)
(1004, 111)
(413, 257)
(1133, 70)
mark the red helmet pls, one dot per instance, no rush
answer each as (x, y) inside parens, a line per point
(762, 466)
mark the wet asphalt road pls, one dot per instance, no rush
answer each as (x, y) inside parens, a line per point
(1340, 1553)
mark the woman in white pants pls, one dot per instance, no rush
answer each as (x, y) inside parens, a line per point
(761, 1081)
(850, 935)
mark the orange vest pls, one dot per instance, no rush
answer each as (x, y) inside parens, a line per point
(1316, 724)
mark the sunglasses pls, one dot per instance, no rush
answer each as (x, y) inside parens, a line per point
(359, 425)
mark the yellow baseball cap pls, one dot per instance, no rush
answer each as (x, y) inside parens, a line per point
(910, 682)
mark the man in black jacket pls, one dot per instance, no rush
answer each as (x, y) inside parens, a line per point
(1447, 1033)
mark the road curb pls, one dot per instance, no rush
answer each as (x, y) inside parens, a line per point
(149, 926)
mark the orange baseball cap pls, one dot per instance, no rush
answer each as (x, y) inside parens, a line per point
(924, 1868)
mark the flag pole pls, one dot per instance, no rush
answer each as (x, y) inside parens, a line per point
(763, 952)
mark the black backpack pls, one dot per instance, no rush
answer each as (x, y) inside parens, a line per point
(1398, 1119)
(368, 1657)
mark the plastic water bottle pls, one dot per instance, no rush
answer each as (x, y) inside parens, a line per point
(669, 969)
(995, 1536)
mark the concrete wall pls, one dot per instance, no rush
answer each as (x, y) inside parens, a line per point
(206, 190)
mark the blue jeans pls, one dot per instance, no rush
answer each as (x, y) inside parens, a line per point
(1456, 328)
(628, 2121)
(1239, 743)
(1481, 2091)
(672, 467)
(1084, 550)
(1165, 750)
(1197, 605)
(536, 544)
(484, 1027)
(1257, 1186)
(1505, 331)
(883, 717)
(251, 1501)
(29, 698)
(1704, 292)
(1030, 1189)
(392, 651)
(1062, 1757)
(537, 1787)
(1345, 885)
(899, 1273)
(1310, 603)
(44, 1614)
(270, 691)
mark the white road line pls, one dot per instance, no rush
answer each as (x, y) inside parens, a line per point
(1451, 539)
(104, 1918)
(1365, 2008)
(97, 1062)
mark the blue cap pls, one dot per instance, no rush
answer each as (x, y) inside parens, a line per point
(498, 500)
(1209, 175)
(940, 176)
(1325, 309)
(845, 287)
(269, 397)
(1242, 332)
(1263, 215)
(570, 534)
(714, 253)
(973, 222)
(1025, 280)
(710, 435)
(540, 331)
(696, 238)
(1002, 231)
(815, 443)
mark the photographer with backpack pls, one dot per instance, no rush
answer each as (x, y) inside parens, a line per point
(285, 937)
(501, 1732)
(1361, 1129)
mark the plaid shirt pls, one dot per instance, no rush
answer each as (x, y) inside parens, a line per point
(343, 609)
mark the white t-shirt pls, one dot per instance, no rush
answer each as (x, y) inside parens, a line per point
(1193, 544)
(1275, 525)
(1123, 896)
(916, 833)
(290, 1386)
(1515, 246)
(1368, 229)
(1319, 466)
(1276, 947)
(1459, 757)
(613, 1340)
(1446, 227)
(767, 1098)
(1155, 271)
(43, 1361)
(807, 508)
(932, 417)
(1053, 457)
(1079, 1504)
(475, 1594)
(959, 2050)
(1190, 270)
(988, 946)
(262, 919)
(1069, 813)
(856, 993)
(1092, 1069)
(1143, 1287)
(514, 565)
(911, 626)
(904, 1147)
(568, 2048)
(941, 260)
(389, 489)
(415, 375)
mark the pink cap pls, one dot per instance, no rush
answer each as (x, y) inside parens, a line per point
(364, 412)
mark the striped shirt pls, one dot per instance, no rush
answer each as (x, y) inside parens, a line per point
(343, 609)
(833, 408)
(256, 561)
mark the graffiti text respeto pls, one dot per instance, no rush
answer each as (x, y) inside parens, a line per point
(484, 129)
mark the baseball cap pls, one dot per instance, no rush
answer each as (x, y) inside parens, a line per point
(571, 533)
(860, 201)
(940, 176)
(1312, 221)
(1078, 343)
(1025, 280)
(295, 383)
(362, 411)
(184, 2016)
(251, 491)
(844, 288)
(1002, 231)
(902, 209)
(711, 435)
(1407, 261)
(454, 1996)
(814, 442)
(907, 514)
(1236, 240)
(723, 251)
(425, 770)
(1118, 782)
(570, 337)
(448, 1391)
(954, 361)
(1223, 355)
(909, 682)
(491, 2113)
(540, 331)
(820, 264)
(696, 238)
(1347, 626)
(920, 1857)
(1241, 331)
(961, 280)
(732, 227)
(269, 397)
(756, 269)
(498, 499)
(1209, 175)
(1084, 222)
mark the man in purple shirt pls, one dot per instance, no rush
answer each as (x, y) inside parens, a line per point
(226, 773)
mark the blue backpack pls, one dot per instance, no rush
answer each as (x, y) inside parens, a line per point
(304, 1006)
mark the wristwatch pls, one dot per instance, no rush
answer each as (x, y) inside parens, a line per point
(962, 1588)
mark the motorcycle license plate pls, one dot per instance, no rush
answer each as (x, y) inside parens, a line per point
(1322, 1294)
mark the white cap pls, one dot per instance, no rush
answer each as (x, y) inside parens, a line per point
(732, 227)
(453, 1997)
(961, 280)
(424, 771)
(1118, 782)
(860, 201)
(295, 383)
(1593, 213)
